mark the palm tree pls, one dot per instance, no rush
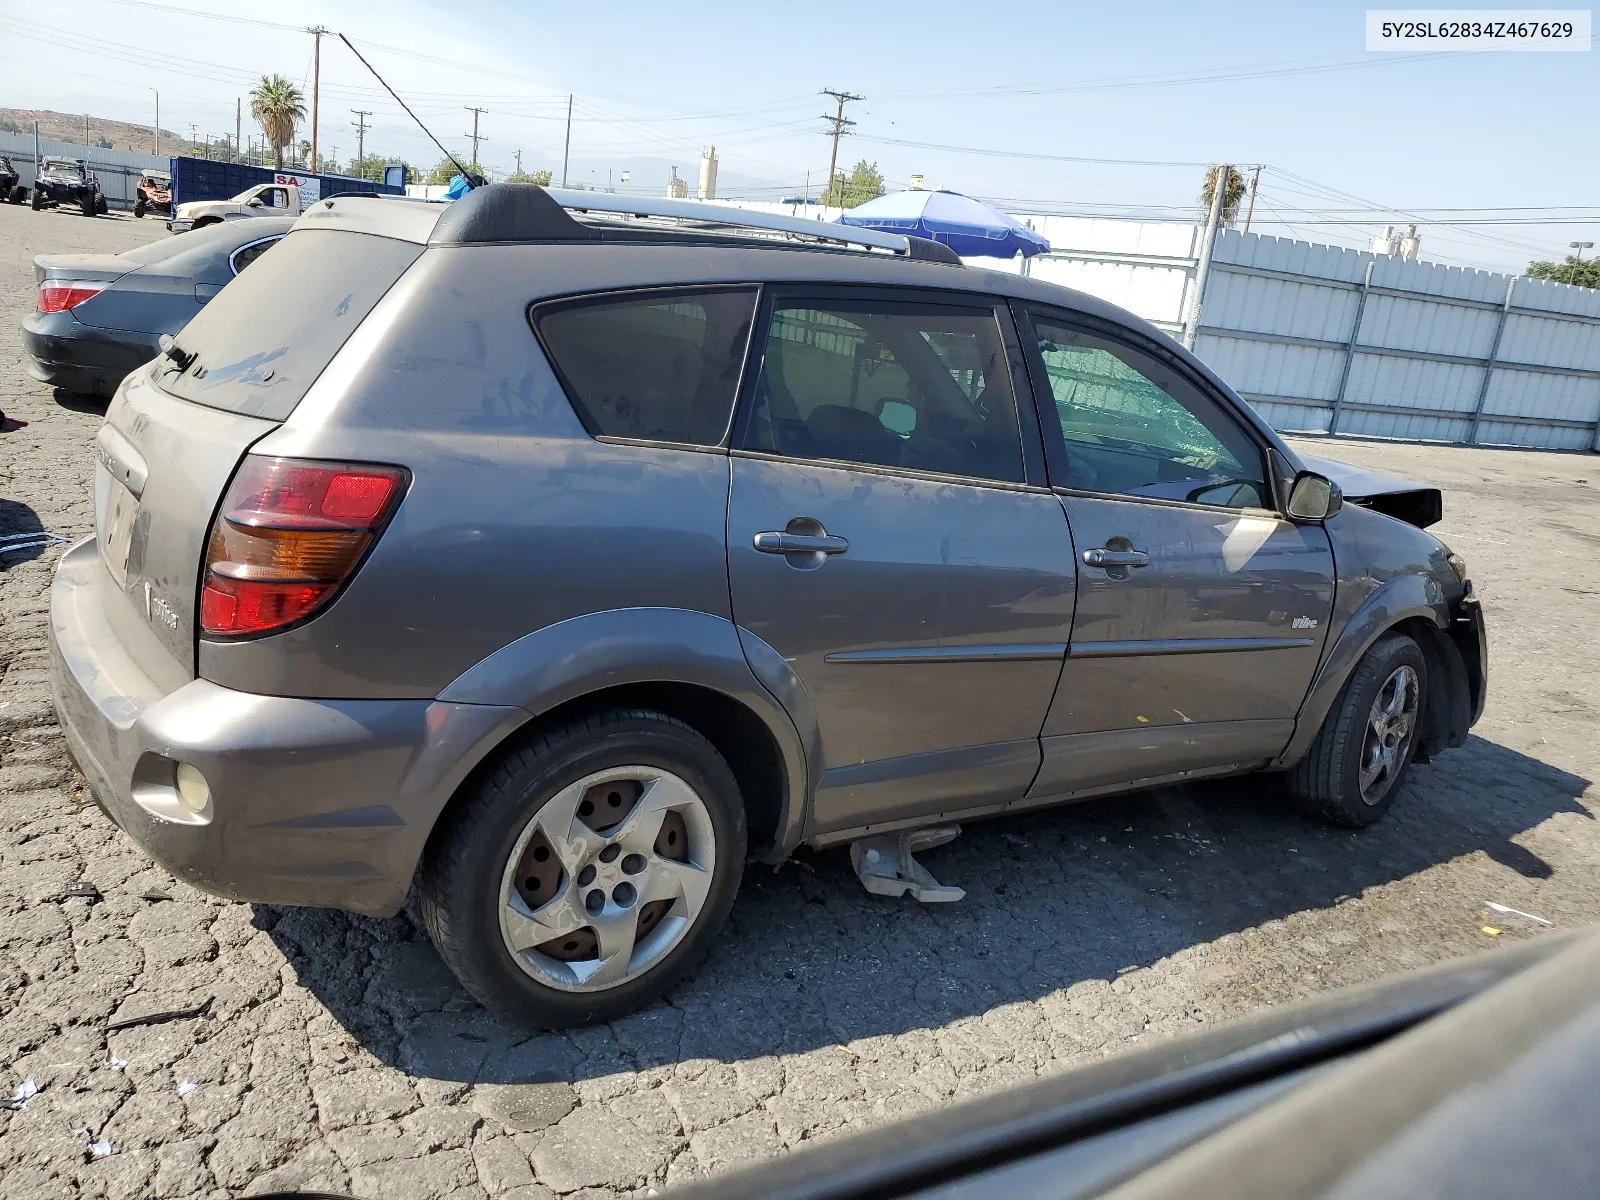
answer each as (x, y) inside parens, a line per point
(279, 106)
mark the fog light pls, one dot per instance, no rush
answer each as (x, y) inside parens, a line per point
(193, 789)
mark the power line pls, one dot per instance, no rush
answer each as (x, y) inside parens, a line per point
(1024, 154)
(1177, 79)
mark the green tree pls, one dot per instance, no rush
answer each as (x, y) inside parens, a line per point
(447, 170)
(278, 106)
(1230, 198)
(372, 167)
(865, 182)
(542, 178)
(1572, 270)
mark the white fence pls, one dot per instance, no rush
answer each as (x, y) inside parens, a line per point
(117, 170)
(1326, 340)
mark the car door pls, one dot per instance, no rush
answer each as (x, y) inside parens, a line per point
(888, 537)
(1201, 610)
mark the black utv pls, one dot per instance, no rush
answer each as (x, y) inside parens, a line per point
(11, 189)
(67, 182)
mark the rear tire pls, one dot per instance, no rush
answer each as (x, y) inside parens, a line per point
(38, 200)
(101, 205)
(1359, 760)
(86, 205)
(477, 903)
(138, 208)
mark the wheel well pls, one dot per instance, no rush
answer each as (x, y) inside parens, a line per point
(1446, 712)
(204, 221)
(740, 736)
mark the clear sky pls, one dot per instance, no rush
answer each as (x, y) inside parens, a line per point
(1347, 137)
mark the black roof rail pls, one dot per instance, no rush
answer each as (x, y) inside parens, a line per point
(508, 212)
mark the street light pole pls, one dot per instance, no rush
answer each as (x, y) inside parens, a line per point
(1580, 247)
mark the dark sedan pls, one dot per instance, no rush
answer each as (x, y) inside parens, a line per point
(101, 315)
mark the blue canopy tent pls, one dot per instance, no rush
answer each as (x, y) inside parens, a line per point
(969, 227)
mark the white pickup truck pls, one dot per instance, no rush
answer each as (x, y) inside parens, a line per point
(281, 199)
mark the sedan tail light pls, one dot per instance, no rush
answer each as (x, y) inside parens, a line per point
(289, 533)
(58, 295)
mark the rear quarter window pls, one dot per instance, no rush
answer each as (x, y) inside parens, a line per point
(260, 345)
(654, 366)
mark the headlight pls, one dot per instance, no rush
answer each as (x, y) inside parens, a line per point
(1458, 565)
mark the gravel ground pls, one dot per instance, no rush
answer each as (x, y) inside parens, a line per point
(335, 1051)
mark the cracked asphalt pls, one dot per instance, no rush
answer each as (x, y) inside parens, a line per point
(323, 1050)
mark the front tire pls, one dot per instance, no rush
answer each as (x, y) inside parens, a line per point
(86, 205)
(1359, 760)
(38, 200)
(138, 208)
(588, 871)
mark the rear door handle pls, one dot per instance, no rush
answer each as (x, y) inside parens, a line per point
(799, 543)
(1116, 558)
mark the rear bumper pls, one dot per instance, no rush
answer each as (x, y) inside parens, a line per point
(317, 802)
(66, 353)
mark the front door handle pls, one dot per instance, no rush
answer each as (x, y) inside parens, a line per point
(1115, 558)
(799, 543)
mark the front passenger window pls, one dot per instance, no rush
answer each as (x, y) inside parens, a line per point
(1136, 427)
(919, 386)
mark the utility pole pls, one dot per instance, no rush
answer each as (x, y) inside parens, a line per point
(316, 31)
(1255, 182)
(192, 128)
(839, 126)
(238, 124)
(566, 153)
(85, 129)
(157, 150)
(474, 134)
(361, 131)
(1219, 191)
(519, 162)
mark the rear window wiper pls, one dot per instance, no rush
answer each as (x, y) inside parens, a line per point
(183, 358)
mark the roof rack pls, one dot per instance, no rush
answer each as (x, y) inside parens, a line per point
(504, 212)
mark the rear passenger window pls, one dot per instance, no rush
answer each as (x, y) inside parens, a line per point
(659, 366)
(921, 386)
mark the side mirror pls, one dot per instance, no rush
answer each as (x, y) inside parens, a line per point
(1314, 497)
(255, 203)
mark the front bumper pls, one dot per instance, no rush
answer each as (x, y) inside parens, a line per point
(316, 802)
(1471, 637)
(180, 224)
(66, 353)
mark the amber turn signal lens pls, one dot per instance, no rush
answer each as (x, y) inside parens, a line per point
(289, 534)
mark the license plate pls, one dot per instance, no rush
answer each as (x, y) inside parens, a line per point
(117, 532)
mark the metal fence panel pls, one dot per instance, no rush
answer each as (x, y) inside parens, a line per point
(1323, 339)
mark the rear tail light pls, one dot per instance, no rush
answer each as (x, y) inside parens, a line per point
(288, 535)
(58, 295)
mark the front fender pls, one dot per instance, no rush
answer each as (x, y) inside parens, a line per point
(583, 655)
(1397, 599)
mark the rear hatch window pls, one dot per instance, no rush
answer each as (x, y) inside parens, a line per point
(260, 345)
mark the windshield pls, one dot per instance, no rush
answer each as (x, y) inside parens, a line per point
(264, 340)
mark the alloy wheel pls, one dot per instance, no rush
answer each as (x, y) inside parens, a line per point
(606, 878)
(1391, 722)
